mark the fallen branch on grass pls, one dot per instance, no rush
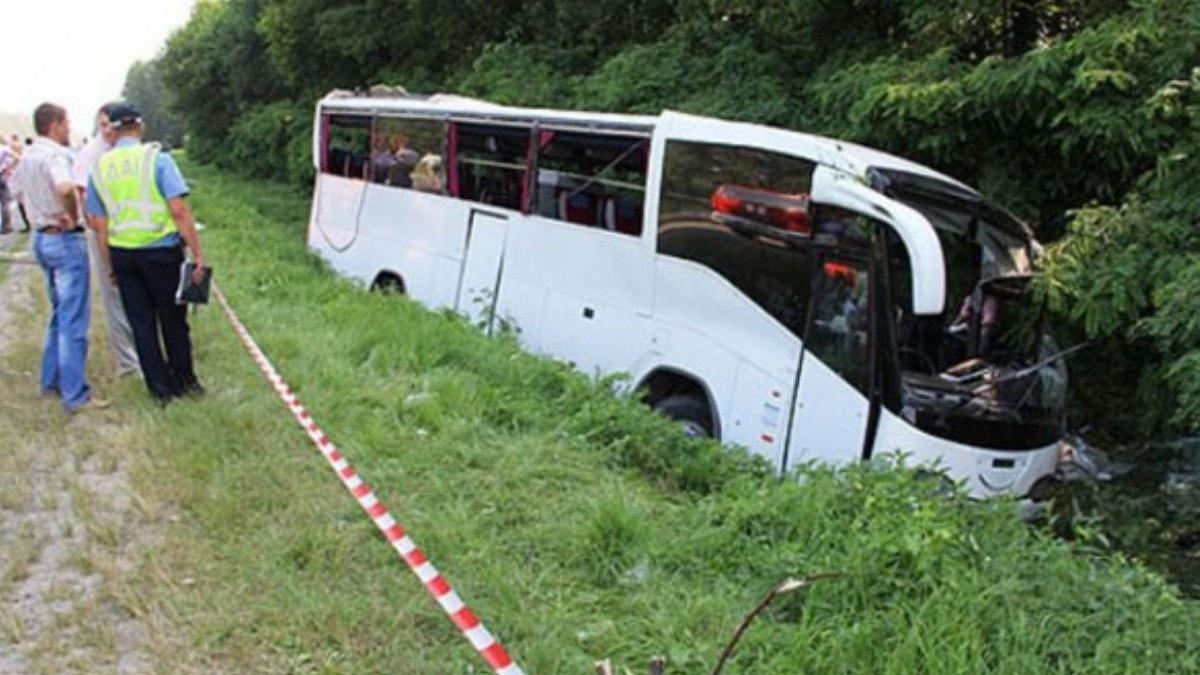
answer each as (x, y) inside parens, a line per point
(782, 588)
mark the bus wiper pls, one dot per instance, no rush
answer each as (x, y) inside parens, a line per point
(989, 387)
(1029, 370)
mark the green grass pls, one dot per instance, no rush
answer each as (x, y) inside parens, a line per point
(577, 524)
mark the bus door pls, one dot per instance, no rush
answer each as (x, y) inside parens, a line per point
(832, 410)
(839, 388)
(479, 281)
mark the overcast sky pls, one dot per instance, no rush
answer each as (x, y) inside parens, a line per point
(76, 52)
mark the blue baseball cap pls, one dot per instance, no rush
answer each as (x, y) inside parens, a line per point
(124, 115)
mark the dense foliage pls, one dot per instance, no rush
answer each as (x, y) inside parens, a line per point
(1050, 106)
(144, 89)
(1130, 274)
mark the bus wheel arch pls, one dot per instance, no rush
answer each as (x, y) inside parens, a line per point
(388, 283)
(683, 397)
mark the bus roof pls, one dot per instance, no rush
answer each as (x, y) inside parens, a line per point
(849, 157)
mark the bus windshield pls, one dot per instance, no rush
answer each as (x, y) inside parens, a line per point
(984, 371)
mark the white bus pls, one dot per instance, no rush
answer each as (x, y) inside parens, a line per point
(808, 299)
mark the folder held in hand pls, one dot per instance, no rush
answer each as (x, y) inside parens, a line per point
(190, 292)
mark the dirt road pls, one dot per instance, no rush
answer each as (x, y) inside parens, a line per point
(71, 530)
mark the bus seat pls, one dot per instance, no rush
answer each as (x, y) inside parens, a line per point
(578, 208)
(622, 215)
(357, 167)
(338, 162)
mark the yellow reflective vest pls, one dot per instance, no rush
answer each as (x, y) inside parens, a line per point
(138, 214)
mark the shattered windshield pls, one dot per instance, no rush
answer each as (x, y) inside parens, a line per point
(982, 241)
(983, 371)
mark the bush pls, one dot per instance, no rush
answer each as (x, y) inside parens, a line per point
(1130, 275)
(514, 74)
(272, 142)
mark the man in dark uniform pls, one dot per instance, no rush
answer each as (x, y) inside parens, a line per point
(136, 203)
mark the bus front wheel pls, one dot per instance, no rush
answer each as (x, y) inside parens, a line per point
(388, 284)
(690, 412)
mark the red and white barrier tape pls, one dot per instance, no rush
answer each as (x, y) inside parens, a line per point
(462, 616)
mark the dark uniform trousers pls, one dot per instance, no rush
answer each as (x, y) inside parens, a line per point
(148, 279)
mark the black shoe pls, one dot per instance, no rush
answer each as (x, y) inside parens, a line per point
(193, 390)
(163, 401)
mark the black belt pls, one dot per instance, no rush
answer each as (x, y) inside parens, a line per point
(57, 229)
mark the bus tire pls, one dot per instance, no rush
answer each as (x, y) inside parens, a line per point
(388, 284)
(690, 411)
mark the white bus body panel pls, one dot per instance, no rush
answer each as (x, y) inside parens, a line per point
(705, 327)
(830, 424)
(577, 293)
(986, 473)
(336, 211)
(419, 237)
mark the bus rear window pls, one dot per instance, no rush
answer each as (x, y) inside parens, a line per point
(347, 146)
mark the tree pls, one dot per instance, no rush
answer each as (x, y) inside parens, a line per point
(144, 89)
(216, 67)
(1129, 275)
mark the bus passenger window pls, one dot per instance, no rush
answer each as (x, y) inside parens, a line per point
(594, 180)
(839, 333)
(407, 153)
(491, 164)
(347, 146)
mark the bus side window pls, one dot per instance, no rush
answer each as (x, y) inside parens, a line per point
(491, 163)
(773, 273)
(594, 180)
(407, 153)
(695, 173)
(347, 146)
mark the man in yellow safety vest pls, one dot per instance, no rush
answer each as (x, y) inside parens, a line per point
(136, 203)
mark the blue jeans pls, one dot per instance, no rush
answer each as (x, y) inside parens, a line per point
(64, 259)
